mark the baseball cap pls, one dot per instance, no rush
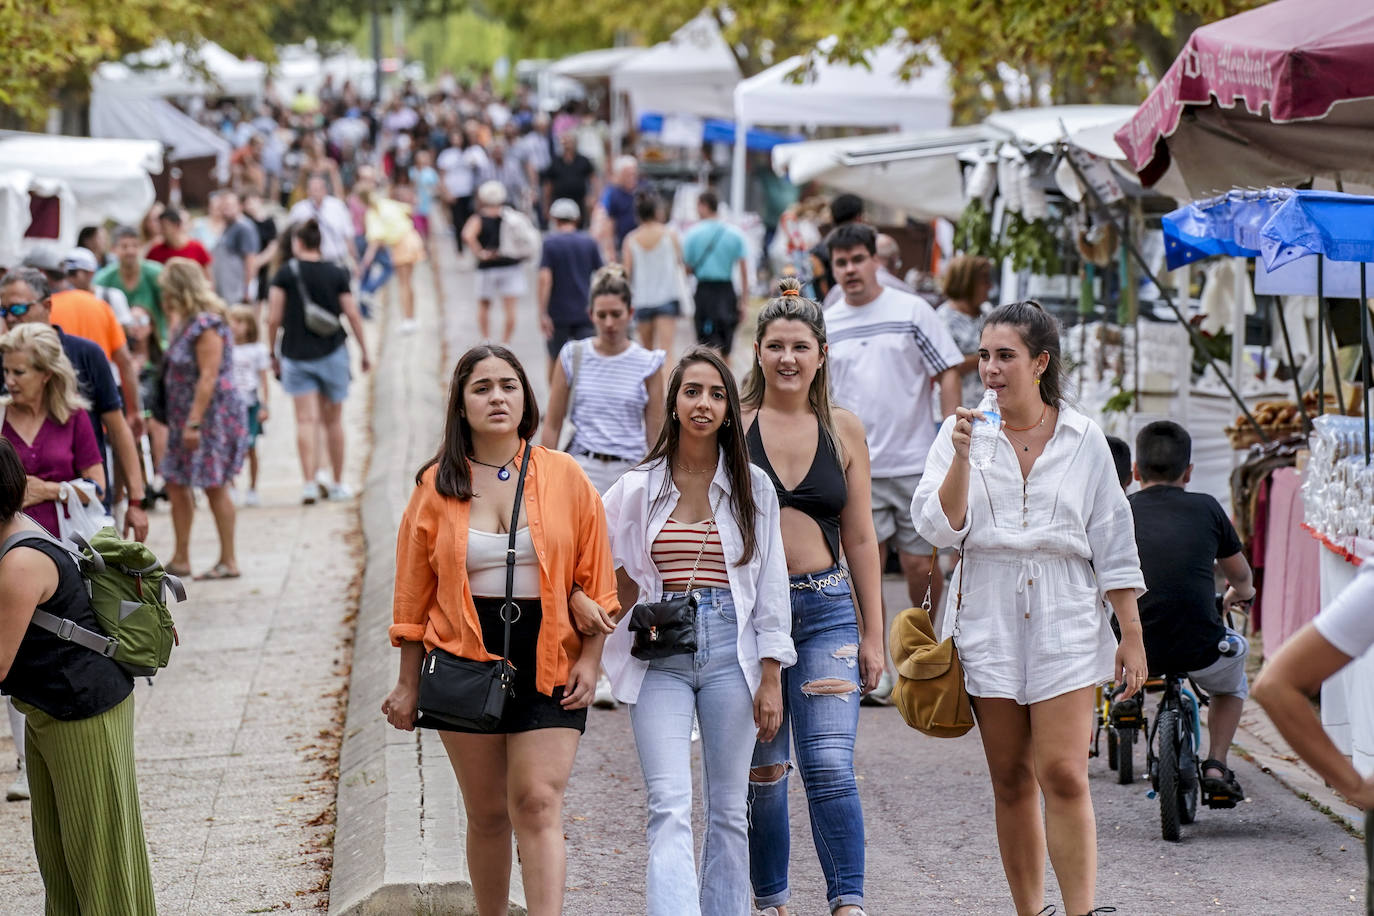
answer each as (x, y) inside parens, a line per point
(566, 209)
(80, 259)
(44, 258)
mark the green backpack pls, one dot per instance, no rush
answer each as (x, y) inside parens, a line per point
(128, 587)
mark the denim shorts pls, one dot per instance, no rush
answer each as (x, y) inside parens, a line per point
(670, 309)
(329, 375)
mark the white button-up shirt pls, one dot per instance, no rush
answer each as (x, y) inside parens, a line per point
(637, 508)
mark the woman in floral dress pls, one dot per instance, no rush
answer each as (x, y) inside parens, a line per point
(207, 419)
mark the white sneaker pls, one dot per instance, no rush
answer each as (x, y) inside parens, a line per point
(235, 496)
(339, 492)
(309, 493)
(250, 498)
(19, 789)
(880, 695)
(604, 698)
(409, 326)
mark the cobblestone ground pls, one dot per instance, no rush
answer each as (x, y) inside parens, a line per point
(237, 740)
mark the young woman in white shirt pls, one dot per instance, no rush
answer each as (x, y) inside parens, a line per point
(696, 503)
(817, 459)
(615, 384)
(1046, 532)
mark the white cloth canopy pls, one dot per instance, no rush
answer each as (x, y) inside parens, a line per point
(162, 70)
(917, 171)
(839, 94)
(109, 179)
(594, 65)
(1088, 126)
(16, 186)
(692, 73)
(848, 95)
(142, 118)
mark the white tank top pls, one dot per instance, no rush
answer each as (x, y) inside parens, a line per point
(486, 563)
(654, 281)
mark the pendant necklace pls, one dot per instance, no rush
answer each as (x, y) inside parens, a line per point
(1009, 429)
(502, 471)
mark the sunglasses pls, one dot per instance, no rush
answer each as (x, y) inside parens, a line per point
(18, 310)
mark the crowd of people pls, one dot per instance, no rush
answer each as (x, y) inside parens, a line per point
(658, 535)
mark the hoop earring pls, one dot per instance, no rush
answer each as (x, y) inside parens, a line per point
(675, 415)
(726, 424)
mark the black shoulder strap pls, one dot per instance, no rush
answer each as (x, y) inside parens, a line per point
(509, 612)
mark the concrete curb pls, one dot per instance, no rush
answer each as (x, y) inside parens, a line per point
(399, 842)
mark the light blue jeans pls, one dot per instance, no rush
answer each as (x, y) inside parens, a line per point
(820, 695)
(711, 684)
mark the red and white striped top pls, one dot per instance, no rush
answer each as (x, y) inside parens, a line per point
(675, 551)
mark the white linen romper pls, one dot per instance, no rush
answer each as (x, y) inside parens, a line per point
(1039, 556)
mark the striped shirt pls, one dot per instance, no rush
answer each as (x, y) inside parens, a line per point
(608, 404)
(884, 357)
(675, 552)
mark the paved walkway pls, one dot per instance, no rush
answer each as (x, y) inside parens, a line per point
(237, 740)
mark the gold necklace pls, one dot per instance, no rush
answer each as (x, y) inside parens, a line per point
(686, 470)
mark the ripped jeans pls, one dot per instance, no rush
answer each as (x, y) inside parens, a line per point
(821, 715)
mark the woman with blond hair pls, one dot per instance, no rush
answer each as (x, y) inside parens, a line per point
(816, 456)
(205, 414)
(45, 418)
(388, 224)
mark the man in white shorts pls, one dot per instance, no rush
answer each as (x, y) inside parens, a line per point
(887, 350)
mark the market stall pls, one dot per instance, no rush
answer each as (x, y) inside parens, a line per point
(813, 92)
(201, 154)
(1275, 95)
(107, 179)
(692, 73)
(166, 70)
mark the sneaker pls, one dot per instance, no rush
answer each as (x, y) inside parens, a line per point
(339, 492)
(19, 789)
(880, 695)
(235, 496)
(250, 498)
(409, 326)
(309, 493)
(604, 698)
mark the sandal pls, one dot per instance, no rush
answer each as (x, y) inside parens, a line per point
(1226, 785)
(181, 572)
(219, 571)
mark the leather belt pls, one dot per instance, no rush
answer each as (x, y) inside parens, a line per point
(601, 457)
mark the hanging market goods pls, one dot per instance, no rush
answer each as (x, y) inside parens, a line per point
(1338, 485)
(1277, 418)
(973, 234)
(1274, 95)
(1030, 244)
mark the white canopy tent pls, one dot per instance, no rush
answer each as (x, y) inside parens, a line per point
(826, 94)
(142, 118)
(108, 179)
(918, 171)
(1086, 126)
(163, 70)
(594, 65)
(301, 68)
(16, 187)
(692, 73)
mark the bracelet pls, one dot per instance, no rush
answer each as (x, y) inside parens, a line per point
(195, 426)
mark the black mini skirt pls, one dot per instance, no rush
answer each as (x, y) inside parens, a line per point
(528, 709)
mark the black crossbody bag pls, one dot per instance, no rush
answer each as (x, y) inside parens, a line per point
(664, 628)
(470, 694)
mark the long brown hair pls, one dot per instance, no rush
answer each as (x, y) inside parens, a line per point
(729, 438)
(788, 304)
(1039, 331)
(454, 475)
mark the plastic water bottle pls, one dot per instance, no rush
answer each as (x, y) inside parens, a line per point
(985, 432)
(1231, 645)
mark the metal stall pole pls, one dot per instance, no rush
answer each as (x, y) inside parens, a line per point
(1297, 384)
(1321, 338)
(1364, 354)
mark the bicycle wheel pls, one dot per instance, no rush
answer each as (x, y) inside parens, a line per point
(1125, 764)
(1170, 796)
(1112, 752)
(1189, 785)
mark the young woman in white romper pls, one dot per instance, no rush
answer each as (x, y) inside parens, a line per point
(1046, 532)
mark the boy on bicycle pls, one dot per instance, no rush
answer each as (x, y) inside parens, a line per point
(1179, 535)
